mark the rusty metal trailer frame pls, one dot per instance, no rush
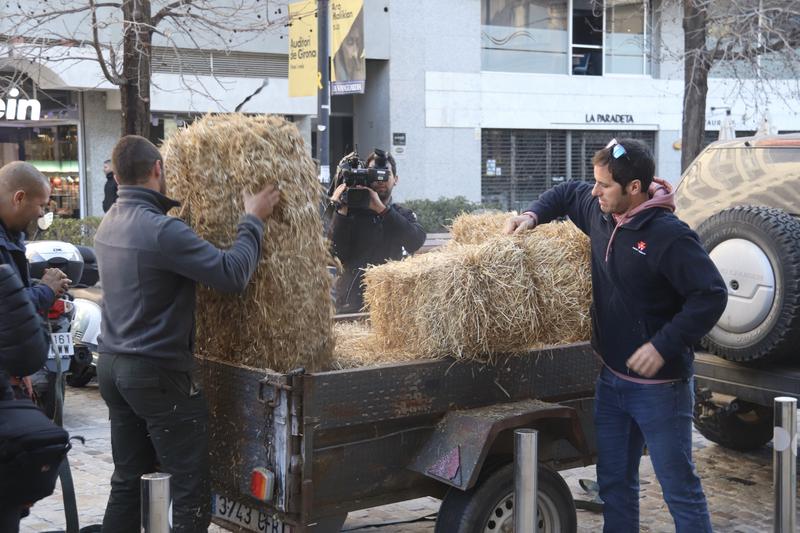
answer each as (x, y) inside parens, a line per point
(353, 439)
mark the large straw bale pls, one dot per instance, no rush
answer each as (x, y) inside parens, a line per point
(473, 301)
(283, 320)
(475, 228)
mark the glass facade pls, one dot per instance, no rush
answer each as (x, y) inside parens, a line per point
(525, 36)
(50, 144)
(579, 37)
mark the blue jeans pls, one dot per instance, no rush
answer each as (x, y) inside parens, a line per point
(629, 415)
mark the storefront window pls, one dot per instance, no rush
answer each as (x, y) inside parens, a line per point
(519, 165)
(54, 151)
(581, 37)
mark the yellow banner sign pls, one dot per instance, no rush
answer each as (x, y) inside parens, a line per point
(303, 48)
(348, 70)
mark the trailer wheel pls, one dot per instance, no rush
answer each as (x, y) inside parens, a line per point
(757, 251)
(489, 506)
(746, 428)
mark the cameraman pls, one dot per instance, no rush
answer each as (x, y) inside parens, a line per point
(370, 236)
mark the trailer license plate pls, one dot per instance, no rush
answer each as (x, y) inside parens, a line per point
(62, 345)
(237, 513)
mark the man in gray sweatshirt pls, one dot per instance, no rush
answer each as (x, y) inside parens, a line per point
(149, 266)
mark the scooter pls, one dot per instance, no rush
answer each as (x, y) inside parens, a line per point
(68, 318)
(85, 328)
(53, 254)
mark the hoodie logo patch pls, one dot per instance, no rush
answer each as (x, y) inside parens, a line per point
(641, 247)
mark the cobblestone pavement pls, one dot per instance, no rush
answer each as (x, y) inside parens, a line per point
(738, 486)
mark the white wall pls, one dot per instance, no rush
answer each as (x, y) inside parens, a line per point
(433, 35)
(100, 130)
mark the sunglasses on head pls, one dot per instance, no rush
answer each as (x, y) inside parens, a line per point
(617, 150)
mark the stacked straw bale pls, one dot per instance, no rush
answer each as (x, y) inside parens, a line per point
(283, 320)
(470, 228)
(504, 295)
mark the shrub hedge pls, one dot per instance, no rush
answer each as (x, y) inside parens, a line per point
(436, 215)
(72, 230)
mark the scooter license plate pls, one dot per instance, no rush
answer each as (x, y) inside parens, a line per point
(62, 345)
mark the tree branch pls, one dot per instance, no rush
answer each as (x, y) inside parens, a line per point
(114, 76)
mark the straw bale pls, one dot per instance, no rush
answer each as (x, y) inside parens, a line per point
(475, 228)
(283, 320)
(474, 301)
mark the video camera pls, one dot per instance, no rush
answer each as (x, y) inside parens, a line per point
(354, 173)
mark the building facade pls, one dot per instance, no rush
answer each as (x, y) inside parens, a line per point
(497, 100)
(494, 100)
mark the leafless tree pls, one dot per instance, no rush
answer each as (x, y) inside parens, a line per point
(756, 43)
(119, 36)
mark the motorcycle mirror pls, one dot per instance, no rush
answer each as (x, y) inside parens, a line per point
(45, 222)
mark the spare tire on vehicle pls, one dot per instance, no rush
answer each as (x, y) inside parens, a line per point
(757, 251)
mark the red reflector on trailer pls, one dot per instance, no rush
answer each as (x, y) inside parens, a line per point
(262, 484)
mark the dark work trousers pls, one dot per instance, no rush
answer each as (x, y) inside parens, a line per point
(157, 416)
(9, 518)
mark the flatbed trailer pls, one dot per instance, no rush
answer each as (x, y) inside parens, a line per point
(338, 441)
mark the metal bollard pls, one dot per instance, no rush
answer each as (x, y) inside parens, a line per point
(784, 464)
(156, 503)
(526, 462)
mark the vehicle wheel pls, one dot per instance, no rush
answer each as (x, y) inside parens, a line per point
(82, 378)
(489, 506)
(757, 251)
(747, 428)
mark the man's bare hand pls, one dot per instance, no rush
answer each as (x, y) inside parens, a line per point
(56, 280)
(518, 224)
(337, 197)
(262, 203)
(337, 194)
(646, 361)
(375, 203)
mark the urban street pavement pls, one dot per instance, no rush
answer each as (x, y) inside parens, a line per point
(738, 485)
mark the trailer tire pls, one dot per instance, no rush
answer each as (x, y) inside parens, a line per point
(489, 505)
(757, 250)
(747, 429)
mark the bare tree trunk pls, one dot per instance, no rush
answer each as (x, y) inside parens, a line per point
(696, 65)
(135, 91)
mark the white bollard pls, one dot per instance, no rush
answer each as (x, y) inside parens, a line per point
(156, 503)
(526, 463)
(784, 464)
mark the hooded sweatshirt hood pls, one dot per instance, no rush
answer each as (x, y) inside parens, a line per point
(662, 196)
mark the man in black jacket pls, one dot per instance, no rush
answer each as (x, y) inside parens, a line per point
(110, 188)
(655, 293)
(373, 236)
(150, 264)
(23, 350)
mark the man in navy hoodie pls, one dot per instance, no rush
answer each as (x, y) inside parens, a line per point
(655, 294)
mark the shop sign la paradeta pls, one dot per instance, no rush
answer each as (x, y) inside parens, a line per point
(608, 118)
(15, 108)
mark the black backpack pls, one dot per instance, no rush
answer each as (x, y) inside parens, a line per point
(32, 448)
